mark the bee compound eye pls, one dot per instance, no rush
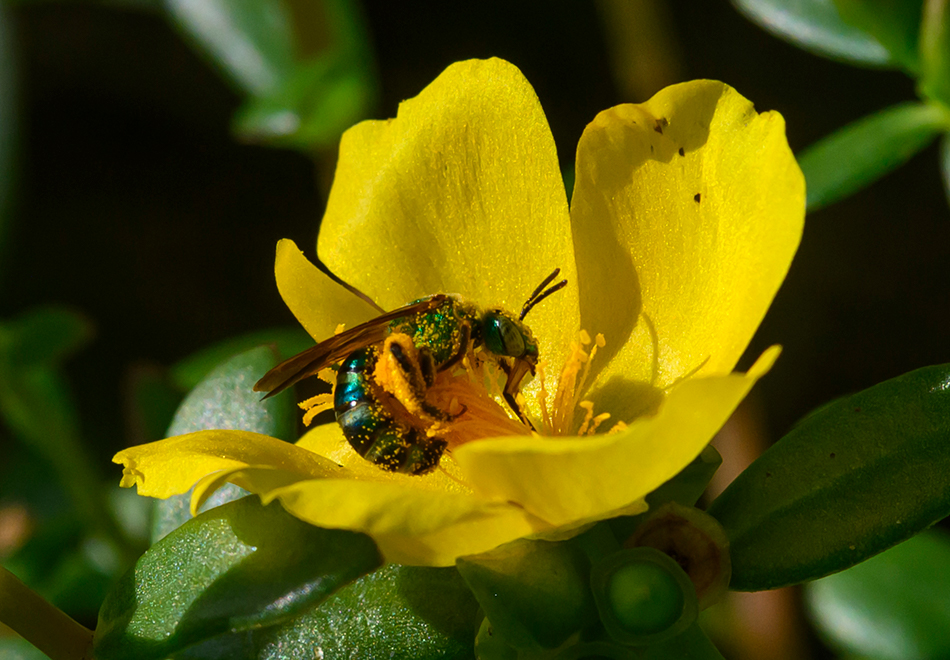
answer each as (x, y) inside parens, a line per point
(503, 336)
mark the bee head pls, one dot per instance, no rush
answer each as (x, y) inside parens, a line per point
(507, 336)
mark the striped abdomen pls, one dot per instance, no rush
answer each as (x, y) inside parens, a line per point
(370, 428)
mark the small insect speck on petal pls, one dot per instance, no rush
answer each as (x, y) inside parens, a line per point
(660, 123)
(697, 197)
(682, 151)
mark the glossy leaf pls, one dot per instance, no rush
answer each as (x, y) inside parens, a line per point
(251, 41)
(398, 611)
(852, 479)
(816, 26)
(224, 576)
(895, 25)
(891, 607)
(319, 101)
(307, 67)
(187, 373)
(535, 593)
(395, 612)
(935, 51)
(225, 400)
(860, 153)
(327, 92)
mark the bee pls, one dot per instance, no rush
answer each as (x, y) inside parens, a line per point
(418, 340)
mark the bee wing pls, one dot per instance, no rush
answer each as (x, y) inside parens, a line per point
(309, 362)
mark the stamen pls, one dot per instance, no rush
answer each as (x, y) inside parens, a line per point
(543, 398)
(598, 420)
(571, 385)
(314, 406)
(588, 406)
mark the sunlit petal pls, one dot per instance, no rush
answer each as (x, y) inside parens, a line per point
(687, 211)
(461, 193)
(564, 481)
(172, 466)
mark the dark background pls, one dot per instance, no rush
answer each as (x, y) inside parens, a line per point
(137, 207)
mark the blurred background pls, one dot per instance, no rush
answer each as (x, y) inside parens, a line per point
(145, 193)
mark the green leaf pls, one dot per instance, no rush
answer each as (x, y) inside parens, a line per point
(251, 41)
(535, 593)
(855, 478)
(15, 648)
(224, 576)
(225, 400)
(934, 80)
(307, 67)
(895, 25)
(396, 612)
(318, 102)
(45, 335)
(187, 373)
(893, 606)
(37, 405)
(328, 90)
(860, 153)
(818, 27)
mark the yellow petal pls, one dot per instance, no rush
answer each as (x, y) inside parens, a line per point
(461, 193)
(319, 303)
(410, 525)
(568, 481)
(687, 211)
(172, 466)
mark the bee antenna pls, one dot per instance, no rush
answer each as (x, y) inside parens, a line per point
(538, 295)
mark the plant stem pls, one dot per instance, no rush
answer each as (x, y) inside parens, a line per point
(44, 626)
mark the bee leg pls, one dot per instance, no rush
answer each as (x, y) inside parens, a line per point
(411, 373)
(513, 385)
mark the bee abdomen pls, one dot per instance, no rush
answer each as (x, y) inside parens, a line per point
(370, 428)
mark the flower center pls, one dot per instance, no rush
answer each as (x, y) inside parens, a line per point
(464, 403)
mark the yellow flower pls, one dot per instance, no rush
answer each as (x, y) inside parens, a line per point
(686, 213)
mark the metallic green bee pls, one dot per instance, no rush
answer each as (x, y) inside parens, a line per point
(421, 339)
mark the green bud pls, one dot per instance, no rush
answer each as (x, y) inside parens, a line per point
(643, 596)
